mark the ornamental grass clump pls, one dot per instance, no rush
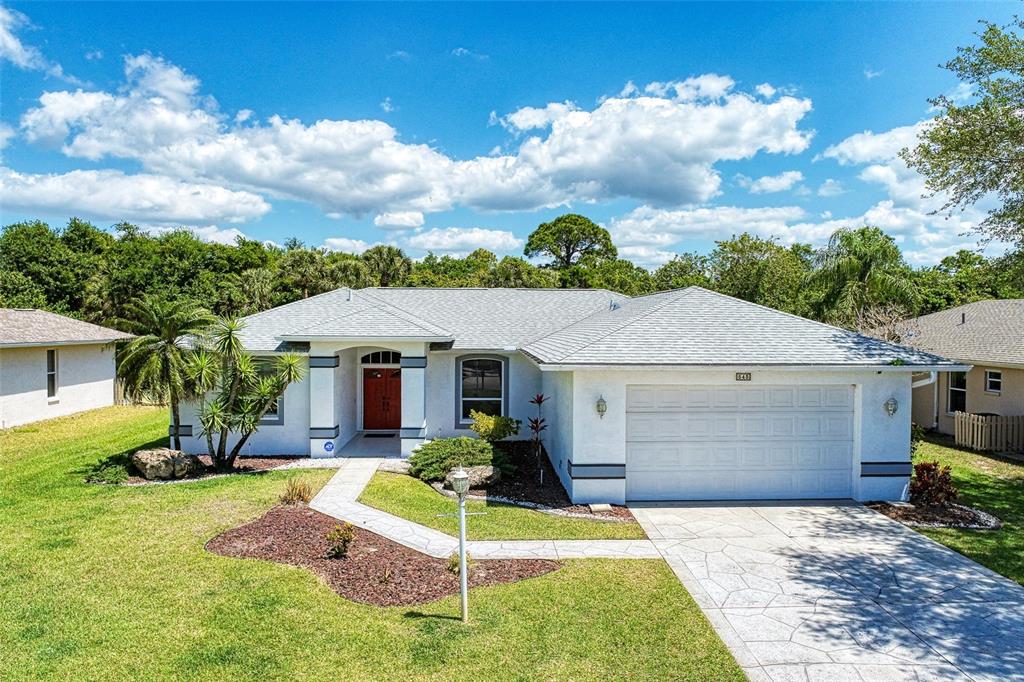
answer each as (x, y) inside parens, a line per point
(297, 490)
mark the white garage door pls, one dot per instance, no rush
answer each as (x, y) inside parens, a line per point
(726, 442)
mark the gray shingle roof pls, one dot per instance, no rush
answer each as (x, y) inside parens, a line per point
(986, 332)
(474, 318)
(694, 326)
(30, 327)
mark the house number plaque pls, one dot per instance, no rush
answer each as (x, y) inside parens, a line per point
(742, 376)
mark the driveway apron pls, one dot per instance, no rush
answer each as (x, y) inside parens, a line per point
(839, 592)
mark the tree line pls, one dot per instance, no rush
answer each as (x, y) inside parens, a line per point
(98, 275)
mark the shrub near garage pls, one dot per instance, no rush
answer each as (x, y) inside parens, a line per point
(432, 461)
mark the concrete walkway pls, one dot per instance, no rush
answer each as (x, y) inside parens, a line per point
(839, 592)
(338, 499)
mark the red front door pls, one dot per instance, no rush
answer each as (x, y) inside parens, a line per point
(382, 398)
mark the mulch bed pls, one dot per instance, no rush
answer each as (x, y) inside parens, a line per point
(376, 571)
(524, 485)
(243, 465)
(953, 516)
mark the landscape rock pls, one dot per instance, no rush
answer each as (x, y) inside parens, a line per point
(479, 476)
(394, 465)
(164, 463)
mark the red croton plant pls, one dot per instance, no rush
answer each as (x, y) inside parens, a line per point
(932, 485)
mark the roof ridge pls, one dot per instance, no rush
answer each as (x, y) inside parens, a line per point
(669, 299)
(404, 314)
(850, 332)
(301, 300)
(548, 289)
(965, 305)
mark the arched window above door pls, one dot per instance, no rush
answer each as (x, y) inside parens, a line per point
(382, 357)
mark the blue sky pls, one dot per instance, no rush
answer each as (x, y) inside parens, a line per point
(447, 127)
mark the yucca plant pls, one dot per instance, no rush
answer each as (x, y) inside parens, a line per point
(235, 389)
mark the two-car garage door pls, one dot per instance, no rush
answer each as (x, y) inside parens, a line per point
(732, 442)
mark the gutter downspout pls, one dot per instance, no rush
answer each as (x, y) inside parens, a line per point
(932, 379)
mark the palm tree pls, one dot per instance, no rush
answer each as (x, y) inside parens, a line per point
(389, 265)
(861, 268)
(153, 364)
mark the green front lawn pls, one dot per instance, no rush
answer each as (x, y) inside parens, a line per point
(995, 486)
(107, 582)
(413, 499)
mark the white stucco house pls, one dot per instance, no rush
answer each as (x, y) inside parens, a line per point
(52, 365)
(702, 396)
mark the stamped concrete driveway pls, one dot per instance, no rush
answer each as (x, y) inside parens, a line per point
(839, 592)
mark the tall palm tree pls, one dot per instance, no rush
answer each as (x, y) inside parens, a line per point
(153, 364)
(861, 268)
(389, 265)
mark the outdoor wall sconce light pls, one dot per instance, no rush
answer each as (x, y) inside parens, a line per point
(602, 407)
(891, 406)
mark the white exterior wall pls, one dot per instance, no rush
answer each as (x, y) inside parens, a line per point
(558, 413)
(85, 381)
(877, 437)
(346, 397)
(522, 383)
(289, 438)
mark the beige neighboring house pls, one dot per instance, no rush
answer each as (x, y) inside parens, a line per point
(988, 335)
(52, 365)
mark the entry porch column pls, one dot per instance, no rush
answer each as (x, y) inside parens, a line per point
(414, 401)
(323, 428)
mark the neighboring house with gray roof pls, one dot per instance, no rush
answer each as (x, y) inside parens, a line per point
(988, 335)
(52, 365)
(684, 394)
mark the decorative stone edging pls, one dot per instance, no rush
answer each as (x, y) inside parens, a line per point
(543, 508)
(988, 521)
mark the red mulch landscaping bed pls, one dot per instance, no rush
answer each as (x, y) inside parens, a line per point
(376, 571)
(242, 465)
(953, 516)
(525, 484)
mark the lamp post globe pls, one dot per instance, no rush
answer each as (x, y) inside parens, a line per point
(460, 482)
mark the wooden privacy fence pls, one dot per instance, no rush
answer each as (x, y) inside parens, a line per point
(989, 432)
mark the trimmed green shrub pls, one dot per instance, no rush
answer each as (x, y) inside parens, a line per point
(433, 460)
(492, 427)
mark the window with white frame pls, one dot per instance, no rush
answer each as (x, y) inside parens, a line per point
(481, 387)
(956, 400)
(993, 381)
(51, 373)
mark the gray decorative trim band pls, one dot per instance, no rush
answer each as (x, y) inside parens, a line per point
(323, 361)
(607, 471)
(412, 432)
(884, 469)
(413, 362)
(184, 430)
(324, 432)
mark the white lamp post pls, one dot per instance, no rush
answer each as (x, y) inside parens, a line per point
(460, 484)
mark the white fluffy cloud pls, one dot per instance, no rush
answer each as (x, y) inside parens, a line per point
(400, 220)
(208, 233)
(114, 195)
(463, 240)
(23, 56)
(769, 184)
(906, 212)
(346, 245)
(660, 146)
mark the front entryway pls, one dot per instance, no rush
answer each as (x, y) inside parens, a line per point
(736, 443)
(382, 398)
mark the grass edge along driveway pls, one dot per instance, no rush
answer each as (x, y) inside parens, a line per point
(412, 499)
(108, 582)
(991, 484)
